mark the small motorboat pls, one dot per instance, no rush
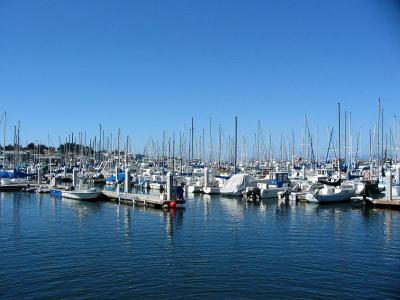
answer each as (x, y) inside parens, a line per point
(329, 194)
(83, 194)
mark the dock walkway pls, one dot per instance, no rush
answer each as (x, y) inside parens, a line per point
(140, 199)
(378, 203)
(392, 204)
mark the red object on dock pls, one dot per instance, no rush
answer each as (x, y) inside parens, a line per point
(172, 204)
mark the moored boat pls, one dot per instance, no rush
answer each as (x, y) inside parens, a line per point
(85, 194)
(330, 194)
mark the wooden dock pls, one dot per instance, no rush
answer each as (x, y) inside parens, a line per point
(378, 203)
(383, 203)
(140, 199)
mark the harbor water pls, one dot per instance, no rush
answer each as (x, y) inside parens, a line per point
(217, 248)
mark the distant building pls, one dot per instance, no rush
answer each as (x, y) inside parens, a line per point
(23, 156)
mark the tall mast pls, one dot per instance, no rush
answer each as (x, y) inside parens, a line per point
(340, 175)
(203, 151)
(219, 149)
(15, 138)
(345, 137)
(100, 139)
(192, 136)
(382, 135)
(211, 145)
(379, 123)
(173, 153)
(4, 140)
(258, 140)
(119, 133)
(292, 148)
(370, 146)
(235, 143)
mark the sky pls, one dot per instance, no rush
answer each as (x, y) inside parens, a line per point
(150, 66)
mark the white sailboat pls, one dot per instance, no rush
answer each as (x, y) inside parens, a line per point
(334, 191)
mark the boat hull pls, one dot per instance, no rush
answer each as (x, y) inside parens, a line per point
(80, 195)
(212, 190)
(342, 196)
(271, 192)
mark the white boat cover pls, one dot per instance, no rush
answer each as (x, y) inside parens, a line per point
(238, 182)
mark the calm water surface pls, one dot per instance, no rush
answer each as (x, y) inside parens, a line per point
(217, 248)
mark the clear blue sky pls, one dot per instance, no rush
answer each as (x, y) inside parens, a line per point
(146, 66)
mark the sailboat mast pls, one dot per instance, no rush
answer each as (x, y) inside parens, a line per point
(345, 137)
(340, 175)
(219, 149)
(383, 157)
(192, 135)
(379, 124)
(4, 140)
(235, 143)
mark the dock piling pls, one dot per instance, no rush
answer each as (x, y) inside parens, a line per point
(169, 186)
(74, 177)
(206, 173)
(389, 178)
(39, 176)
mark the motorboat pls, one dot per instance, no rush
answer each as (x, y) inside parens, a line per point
(330, 194)
(81, 194)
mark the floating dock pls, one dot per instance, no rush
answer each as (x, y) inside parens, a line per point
(378, 203)
(141, 199)
(391, 204)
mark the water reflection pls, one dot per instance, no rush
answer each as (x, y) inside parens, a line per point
(232, 206)
(388, 232)
(206, 201)
(82, 209)
(173, 219)
(16, 213)
(127, 221)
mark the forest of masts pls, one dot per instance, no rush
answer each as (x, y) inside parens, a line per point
(203, 145)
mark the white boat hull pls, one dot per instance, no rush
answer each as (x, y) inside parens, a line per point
(233, 193)
(194, 189)
(343, 195)
(81, 195)
(212, 190)
(271, 192)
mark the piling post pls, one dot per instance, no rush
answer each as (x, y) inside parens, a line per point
(389, 185)
(169, 186)
(74, 177)
(126, 181)
(39, 176)
(206, 175)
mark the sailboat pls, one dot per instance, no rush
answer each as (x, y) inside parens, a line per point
(332, 191)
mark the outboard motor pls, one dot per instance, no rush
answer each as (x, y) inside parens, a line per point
(256, 193)
(285, 195)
